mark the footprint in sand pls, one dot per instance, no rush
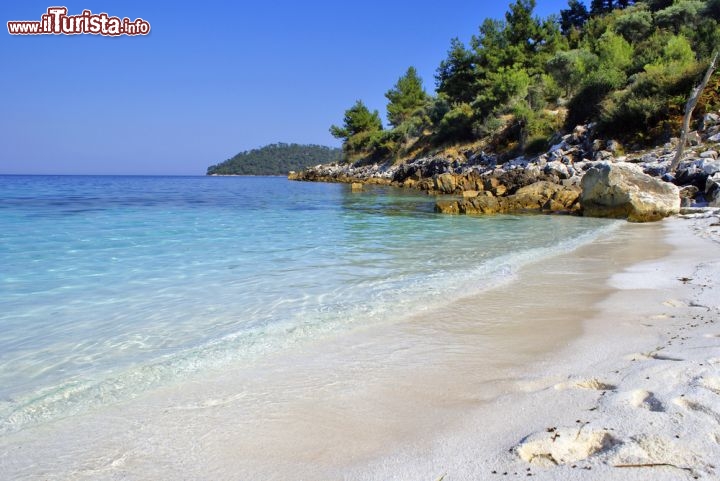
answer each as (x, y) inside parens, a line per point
(649, 450)
(654, 356)
(711, 384)
(697, 407)
(675, 303)
(592, 384)
(563, 445)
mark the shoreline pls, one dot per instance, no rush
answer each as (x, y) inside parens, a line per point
(636, 396)
(439, 394)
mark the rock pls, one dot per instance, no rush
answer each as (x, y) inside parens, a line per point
(481, 205)
(560, 146)
(686, 202)
(689, 192)
(494, 186)
(656, 170)
(714, 138)
(709, 154)
(407, 171)
(445, 183)
(516, 162)
(470, 181)
(710, 119)
(690, 175)
(614, 147)
(712, 189)
(557, 168)
(603, 156)
(694, 138)
(572, 181)
(687, 195)
(537, 195)
(649, 158)
(541, 195)
(356, 187)
(709, 167)
(447, 207)
(425, 184)
(500, 190)
(434, 167)
(519, 178)
(467, 194)
(625, 191)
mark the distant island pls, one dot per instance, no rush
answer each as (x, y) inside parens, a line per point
(276, 159)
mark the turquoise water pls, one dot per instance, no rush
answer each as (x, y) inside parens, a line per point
(113, 286)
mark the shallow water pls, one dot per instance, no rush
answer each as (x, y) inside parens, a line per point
(115, 287)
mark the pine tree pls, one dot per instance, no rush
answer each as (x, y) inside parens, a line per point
(405, 98)
(522, 29)
(455, 76)
(599, 7)
(358, 119)
(574, 16)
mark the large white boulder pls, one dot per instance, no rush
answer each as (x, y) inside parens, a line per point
(623, 190)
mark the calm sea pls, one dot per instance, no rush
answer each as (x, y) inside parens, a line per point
(113, 286)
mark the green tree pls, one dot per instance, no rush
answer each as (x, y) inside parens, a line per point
(573, 17)
(614, 51)
(599, 7)
(455, 76)
(712, 9)
(406, 99)
(358, 119)
(656, 5)
(569, 68)
(507, 86)
(491, 48)
(679, 14)
(522, 29)
(635, 25)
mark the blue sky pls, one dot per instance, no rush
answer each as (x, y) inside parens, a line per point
(212, 78)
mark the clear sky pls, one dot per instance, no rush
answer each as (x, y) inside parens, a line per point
(211, 79)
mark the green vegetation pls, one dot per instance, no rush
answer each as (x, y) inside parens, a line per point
(626, 65)
(276, 159)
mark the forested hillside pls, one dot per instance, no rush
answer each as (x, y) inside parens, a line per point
(276, 159)
(626, 66)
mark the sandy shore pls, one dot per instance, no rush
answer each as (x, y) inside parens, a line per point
(600, 364)
(635, 397)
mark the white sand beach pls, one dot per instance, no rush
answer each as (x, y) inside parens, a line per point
(635, 397)
(603, 364)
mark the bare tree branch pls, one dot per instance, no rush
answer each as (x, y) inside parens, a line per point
(689, 107)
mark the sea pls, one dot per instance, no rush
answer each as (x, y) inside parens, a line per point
(112, 287)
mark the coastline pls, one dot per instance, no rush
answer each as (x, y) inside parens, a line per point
(438, 394)
(644, 371)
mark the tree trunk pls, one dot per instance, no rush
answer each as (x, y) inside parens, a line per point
(689, 107)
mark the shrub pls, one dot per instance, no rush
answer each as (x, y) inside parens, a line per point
(456, 124)
(585, 105)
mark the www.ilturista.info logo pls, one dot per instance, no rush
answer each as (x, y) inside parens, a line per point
(57, 22)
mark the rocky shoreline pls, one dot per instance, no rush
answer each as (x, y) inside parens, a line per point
(637, 186)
